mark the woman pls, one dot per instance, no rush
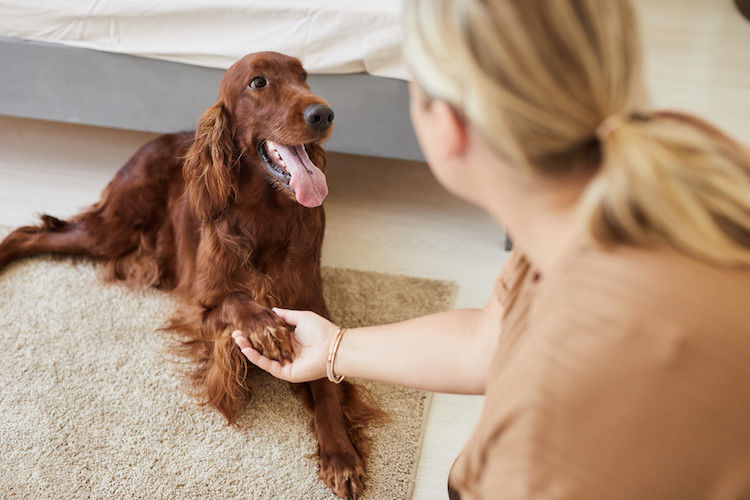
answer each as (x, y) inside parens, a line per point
(615, 350)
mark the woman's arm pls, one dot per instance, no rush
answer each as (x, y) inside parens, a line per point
(445, 352)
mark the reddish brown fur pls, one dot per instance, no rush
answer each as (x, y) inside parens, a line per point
(195, 213)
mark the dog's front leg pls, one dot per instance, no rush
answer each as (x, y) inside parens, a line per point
(341, 464)
(223, 377)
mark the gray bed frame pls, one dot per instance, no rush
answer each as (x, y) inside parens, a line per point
(57, 82)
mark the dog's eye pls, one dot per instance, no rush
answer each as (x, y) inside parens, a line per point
(304, 75)
(258, 82)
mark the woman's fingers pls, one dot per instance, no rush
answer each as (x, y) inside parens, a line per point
(289, 315)
(273, 367)
(240, 339)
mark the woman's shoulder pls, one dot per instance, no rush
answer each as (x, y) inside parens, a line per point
(629, 375)
(626, 282)
(652, 312)
(628, 356)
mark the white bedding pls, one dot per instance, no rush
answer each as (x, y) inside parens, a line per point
(330, 36)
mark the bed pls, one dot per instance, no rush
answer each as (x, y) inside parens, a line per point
(155, 66)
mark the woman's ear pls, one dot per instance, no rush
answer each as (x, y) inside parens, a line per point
(441, 130)
(209, 176)
(450, 128)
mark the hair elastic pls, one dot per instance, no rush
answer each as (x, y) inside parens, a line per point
(608, 126)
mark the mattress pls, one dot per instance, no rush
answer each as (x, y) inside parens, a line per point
(330, 36)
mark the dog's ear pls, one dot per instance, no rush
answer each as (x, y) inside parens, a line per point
(208, 172)
(317, 155)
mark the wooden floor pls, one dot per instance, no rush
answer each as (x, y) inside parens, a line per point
(391, 216)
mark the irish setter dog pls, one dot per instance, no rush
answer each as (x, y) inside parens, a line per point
(229, 218)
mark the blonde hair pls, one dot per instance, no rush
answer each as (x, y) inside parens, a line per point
(554, 85)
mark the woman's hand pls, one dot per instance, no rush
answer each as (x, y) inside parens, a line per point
(312, 337)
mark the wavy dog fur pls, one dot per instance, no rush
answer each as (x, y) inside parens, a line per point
(198, 214)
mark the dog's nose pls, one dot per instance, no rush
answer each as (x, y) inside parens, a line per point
(319, 116)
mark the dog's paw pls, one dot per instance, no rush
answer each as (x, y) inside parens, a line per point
(343, 472)
(269, 335)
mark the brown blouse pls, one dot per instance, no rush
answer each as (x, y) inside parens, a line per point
(621, 374)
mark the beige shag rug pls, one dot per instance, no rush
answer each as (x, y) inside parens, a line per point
(92, 406)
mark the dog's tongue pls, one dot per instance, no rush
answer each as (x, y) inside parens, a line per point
(308, 181)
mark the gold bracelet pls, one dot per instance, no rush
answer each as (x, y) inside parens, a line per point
(332, 350)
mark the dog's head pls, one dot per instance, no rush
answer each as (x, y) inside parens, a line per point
(267, 118)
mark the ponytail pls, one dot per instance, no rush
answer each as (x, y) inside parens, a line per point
(537, 78)
(671, 178)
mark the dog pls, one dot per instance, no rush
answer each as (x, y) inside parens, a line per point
(229, 219)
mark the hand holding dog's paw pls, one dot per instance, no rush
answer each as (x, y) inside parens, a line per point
(266, 333)
(310, 341)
